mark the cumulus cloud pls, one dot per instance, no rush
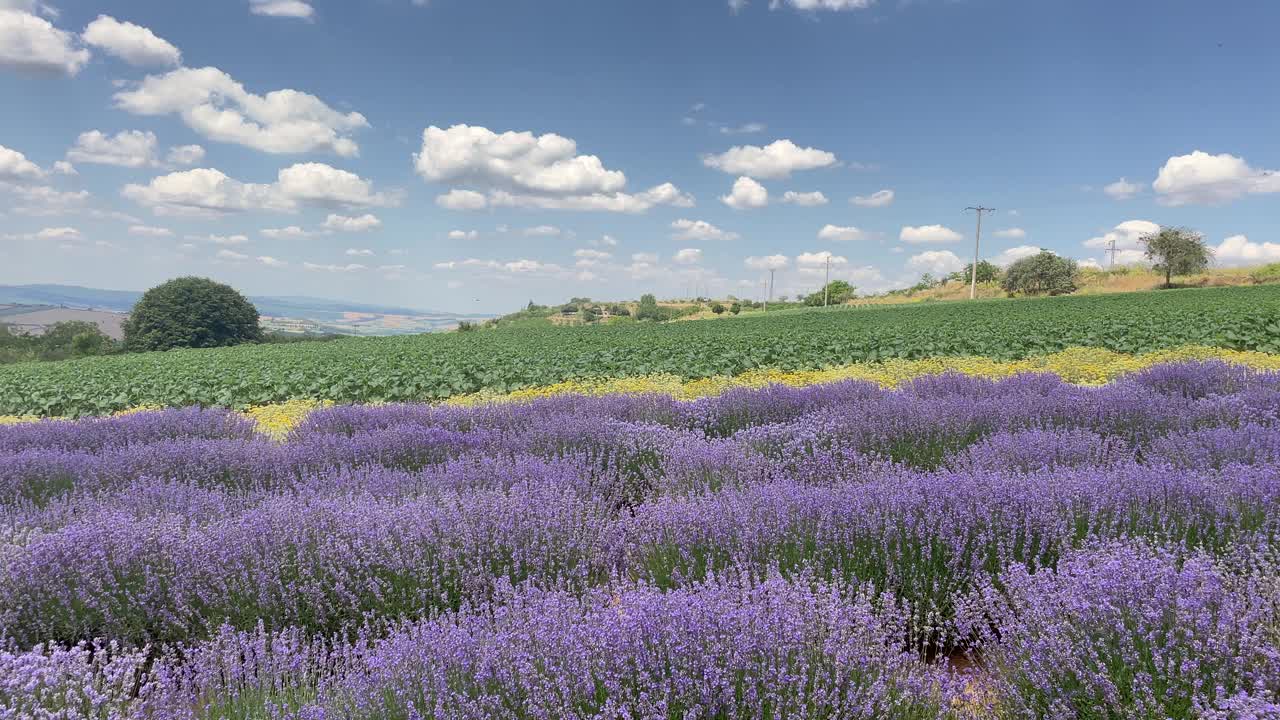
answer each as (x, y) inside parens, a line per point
(929, 234)
(1240, 250)
(700, 230)
(1014, 254)
(217, 107)
(32, 44)
(883, 198)
(62, 167)
(463, 234)
(746, 194)
(522, 266)
(605, 241)
(462, 200)
(272, 262)
(231, 256)
(150, 231)
(776, 160)
(587, 255)
(207, 191)
(134, 44)
(520, 169)
(816, 5)
(1126, 236)
(938, 262)
(767, 262)
(1204, 179)
(1015, 233)
(804, 199)
(840, 234)
(687, 256)
(359, 252)
(543, 231)
(128, 148)
(282, 8)
(293, 232)
(345, 223)
(185, 154)
(818, 260)
(349, 268)
(42, 200)
(1122, 189)
(15, 167)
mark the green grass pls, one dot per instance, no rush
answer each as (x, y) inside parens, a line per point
(429, 367)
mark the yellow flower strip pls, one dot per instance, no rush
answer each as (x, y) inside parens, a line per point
(1082, 366)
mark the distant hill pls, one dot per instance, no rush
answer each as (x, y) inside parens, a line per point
(287, 313)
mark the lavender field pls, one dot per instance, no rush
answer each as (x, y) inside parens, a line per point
(954, 548)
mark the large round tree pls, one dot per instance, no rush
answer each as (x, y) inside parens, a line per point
(191, 312)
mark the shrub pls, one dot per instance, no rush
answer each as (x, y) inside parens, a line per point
(717, 308)
(1045, 273)
(191, 312)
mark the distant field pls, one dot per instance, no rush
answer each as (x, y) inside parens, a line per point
(430, 367)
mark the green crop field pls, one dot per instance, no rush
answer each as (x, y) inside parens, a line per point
(429, 367)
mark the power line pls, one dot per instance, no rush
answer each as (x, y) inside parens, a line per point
(977, 240)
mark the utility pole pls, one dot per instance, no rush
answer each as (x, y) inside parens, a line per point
(826, 288)
(1112, 248)
(770, 295)
(977, 240)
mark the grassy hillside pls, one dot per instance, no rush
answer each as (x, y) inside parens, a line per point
(438, 366)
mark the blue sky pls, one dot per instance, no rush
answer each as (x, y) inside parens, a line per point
(470, 155)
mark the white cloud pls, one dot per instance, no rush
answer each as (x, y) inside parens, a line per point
(128, 148)
(804, 199)
(1122, 189)
(293, 232)
(1014, 254)
(1240, 250)
(462, 200)
(605, 241)
(231, 255)
(359, 252)
(840, 234)
(504, 269)
(15, 167)
(591, 255)
(1011, 233)
(746, 194)
(62, 167)
(185, 154)
(42, 200)
(687, 256)
(767, 262)
(221, 239)
(816, 5)
(217, 107)
(207, 191)
(818, 260)
(1126, 236)
(351, 267)
(134, 44)
(543, 231)
(271, 262)
(32, 44)
(938, 262)
(883, 198)
(777, 160)
(520, 169)
(344, 223)
(49, 234)
(150, 231)
(700, 230)
(927, 234)
(282, 8)
(463, 234)
(747, 129)
(736, 6)
(1204, 179)
(646, 258)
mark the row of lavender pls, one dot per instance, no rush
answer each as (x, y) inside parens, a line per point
(776, 553)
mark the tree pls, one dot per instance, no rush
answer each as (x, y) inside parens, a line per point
(987, 272)
(735, 308)
(836, 292)
(191, 312)
(75, 338)
(1176, 251)
(1043, 273)
(717, 308)
(648, 309)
